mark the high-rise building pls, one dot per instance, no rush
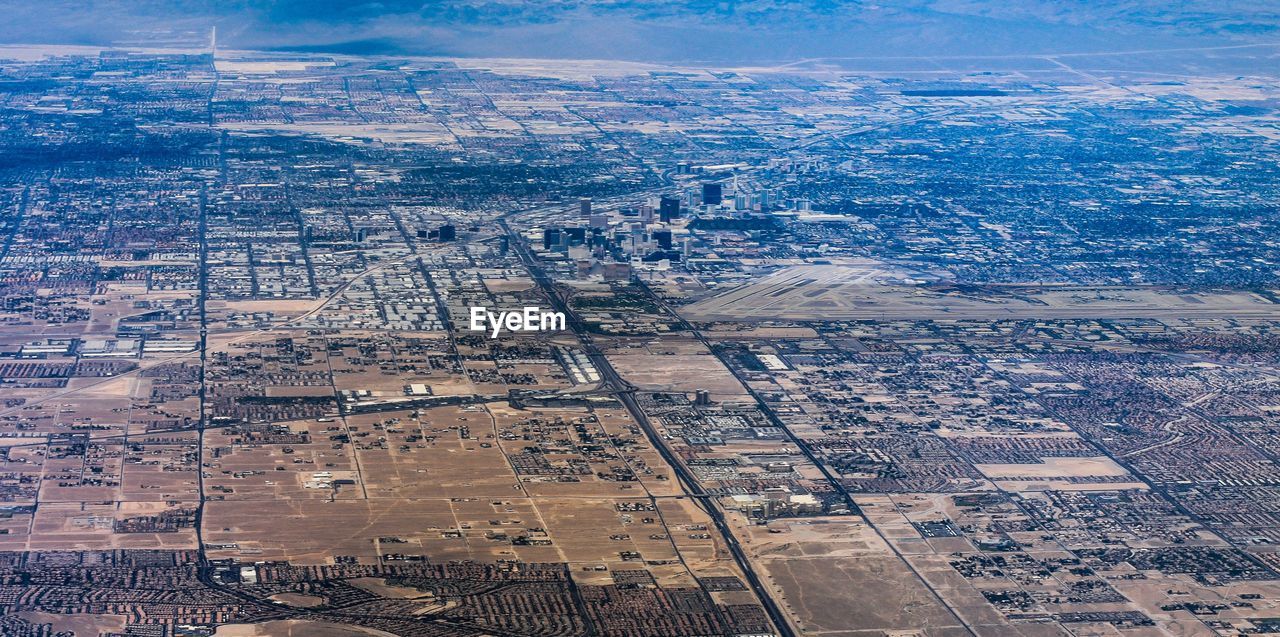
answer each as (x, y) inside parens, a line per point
(712, 194)
(550, 238)
(617, 271)
(662, 238)
(585, 207)
(668, 209)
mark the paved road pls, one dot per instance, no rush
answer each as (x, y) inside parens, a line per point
(625, 393)
(807, 451)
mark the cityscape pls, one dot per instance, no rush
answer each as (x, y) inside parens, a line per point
(316, 342)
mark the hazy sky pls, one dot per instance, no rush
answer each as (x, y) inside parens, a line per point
(740, 31)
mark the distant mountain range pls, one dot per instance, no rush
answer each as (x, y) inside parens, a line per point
(749, 31)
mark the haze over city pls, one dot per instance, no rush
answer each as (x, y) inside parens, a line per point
(728, 32)
(639, 319)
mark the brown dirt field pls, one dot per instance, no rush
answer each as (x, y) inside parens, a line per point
(298, 600)
(865, 593)
(678, 367)
(381, 588)
(78, 624)
(311, 531)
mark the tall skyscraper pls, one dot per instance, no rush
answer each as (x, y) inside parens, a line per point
(668, 209)
(712, 194)
(550, 238)
(663, 239)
